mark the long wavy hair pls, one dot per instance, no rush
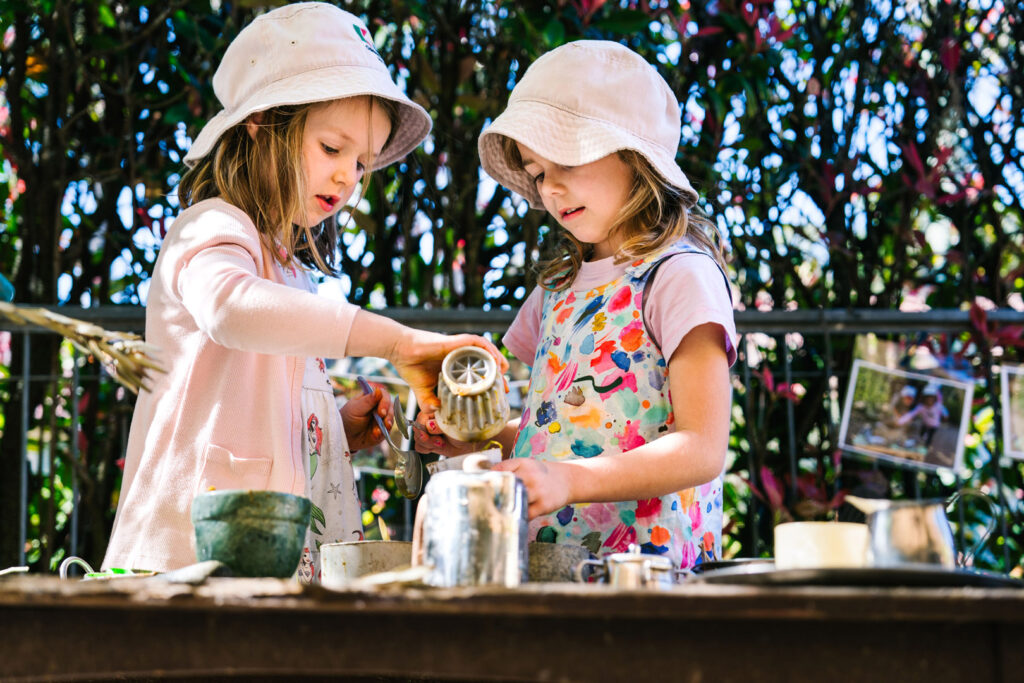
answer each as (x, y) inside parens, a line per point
(263, 176)
(656, 215)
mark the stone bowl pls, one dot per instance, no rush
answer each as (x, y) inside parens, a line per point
(557, 562)
(255, 533)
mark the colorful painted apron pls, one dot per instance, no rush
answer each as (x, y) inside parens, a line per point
(599, 386)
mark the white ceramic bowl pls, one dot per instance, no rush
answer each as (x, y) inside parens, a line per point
(343, 562)
(815, 545)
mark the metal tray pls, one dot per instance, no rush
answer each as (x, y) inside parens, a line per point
(715, 565)
(911, 575)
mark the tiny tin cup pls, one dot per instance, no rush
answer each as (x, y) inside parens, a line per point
(633, 570)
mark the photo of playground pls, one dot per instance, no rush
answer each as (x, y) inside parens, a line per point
(913, 419)
(1012, 382)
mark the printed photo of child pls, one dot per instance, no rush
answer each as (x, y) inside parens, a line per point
(1012, 383)
(912, 419)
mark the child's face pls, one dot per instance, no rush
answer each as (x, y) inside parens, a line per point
(338, 142)
(585, 200)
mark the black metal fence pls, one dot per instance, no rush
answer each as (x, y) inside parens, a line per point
(824, 324)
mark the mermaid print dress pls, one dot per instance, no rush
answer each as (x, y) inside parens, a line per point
(330, 476)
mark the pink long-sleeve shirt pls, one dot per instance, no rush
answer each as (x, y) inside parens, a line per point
(233, 339)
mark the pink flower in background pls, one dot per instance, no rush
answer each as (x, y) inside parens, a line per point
(5, 348)
(790, 392)
(380, 495)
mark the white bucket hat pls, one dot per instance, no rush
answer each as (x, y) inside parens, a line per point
(581, 102)
(301, 53)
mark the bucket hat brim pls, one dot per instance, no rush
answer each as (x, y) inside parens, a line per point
(323, 85)
(568, 139)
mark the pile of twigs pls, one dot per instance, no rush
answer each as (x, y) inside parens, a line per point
(126, 357)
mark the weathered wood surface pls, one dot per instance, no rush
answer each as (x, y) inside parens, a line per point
(144, 628)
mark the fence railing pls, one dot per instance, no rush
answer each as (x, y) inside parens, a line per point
(775, 323)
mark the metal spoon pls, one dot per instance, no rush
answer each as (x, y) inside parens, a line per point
(409, 468)
(404, 426)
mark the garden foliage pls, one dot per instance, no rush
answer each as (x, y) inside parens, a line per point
(855, 153)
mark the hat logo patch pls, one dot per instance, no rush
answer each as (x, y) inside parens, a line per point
(364, 35)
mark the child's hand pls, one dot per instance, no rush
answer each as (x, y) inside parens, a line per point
(430, 439)
(357, 417)
(547, 483)
(418, 355)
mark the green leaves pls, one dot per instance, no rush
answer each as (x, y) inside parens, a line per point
(106, 16)
(624, 23)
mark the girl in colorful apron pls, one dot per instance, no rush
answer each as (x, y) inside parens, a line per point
(599, 384)
(609, 456)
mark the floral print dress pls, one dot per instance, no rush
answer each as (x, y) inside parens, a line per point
(599, 386)
(330, 477)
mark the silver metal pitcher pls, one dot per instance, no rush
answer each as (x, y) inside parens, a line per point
(917, 531)
(471, 528)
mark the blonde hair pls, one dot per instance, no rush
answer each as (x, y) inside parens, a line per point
(263, 176)
(656, 216)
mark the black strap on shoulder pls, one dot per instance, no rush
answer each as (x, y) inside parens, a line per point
(652, 271)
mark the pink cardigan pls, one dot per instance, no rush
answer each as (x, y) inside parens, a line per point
(226, 413)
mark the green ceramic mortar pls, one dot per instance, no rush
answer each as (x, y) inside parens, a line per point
(255, 533)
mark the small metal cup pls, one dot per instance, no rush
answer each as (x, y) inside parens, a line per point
(633, 570)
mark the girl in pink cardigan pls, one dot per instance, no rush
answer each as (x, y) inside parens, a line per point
(309, 107)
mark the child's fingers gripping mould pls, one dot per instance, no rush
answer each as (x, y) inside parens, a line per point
(630, 334)
(309, 110)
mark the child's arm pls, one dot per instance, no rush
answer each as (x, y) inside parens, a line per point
(521, 339)
(909, 415)
(416, 354)
(691, 455)
(220, 285)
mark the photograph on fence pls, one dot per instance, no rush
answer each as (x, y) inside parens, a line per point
(912, 419)
(929, 354)
(1012, 382)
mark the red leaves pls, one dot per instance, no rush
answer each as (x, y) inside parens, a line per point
(812, 500)
(782, 390)
(586, 8)
(949, 54)
(992, 334)
(772, 491)
(928, 181)
(777, 32)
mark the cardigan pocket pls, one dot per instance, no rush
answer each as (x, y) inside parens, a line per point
(223, 470)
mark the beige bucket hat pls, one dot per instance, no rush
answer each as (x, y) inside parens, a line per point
(581, 102)
(306, 52)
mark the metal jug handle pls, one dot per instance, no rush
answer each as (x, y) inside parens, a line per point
(577, 571)
(993, 509)
(73, 560)
(417, 532)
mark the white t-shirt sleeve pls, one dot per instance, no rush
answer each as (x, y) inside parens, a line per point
(688, 290)
(523, 335)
